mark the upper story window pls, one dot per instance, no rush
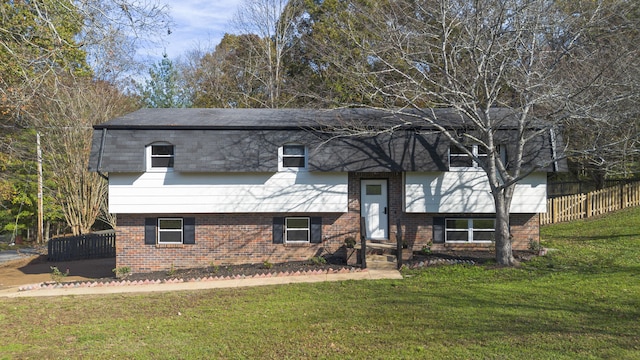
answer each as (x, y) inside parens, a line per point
(458, 158)
(160, 157)
(293, 157)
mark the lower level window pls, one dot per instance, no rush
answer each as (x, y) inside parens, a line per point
(170, 231)
(470, 230)
(296, 229)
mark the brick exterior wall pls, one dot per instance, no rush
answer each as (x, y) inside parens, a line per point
(223, 239)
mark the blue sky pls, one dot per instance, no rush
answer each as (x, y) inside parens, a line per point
(198, 24)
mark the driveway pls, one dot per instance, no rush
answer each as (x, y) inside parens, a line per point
(11, 255)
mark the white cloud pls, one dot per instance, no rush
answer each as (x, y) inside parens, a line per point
(199, 24)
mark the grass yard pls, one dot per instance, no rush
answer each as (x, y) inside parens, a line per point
(582, 301)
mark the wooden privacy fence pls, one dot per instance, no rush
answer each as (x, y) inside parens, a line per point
(580, 206)
(89, 246)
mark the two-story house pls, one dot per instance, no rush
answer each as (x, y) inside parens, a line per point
(193, 187)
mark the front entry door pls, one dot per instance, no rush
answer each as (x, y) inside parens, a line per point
(374, 209)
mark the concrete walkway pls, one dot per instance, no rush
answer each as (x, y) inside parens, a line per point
(368, 274)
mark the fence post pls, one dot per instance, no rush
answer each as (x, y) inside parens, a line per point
(399, 243)
(363, 243)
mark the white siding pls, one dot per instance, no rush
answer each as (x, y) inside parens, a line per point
(175, 192)
(469, 192)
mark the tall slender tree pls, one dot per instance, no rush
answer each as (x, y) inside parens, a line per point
(67, 112)
(272, 22)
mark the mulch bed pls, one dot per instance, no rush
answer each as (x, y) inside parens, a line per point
(248, 270)
(332, 264)
(463, 257)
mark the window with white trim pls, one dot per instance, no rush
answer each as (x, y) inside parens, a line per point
(170, 230)
(160, 157)
(462, 230)
(297, 230)
(458, 158)
(293, 157)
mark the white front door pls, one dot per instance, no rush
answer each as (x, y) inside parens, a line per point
(374, 209)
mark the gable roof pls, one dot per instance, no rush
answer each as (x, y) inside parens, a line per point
(247, 140)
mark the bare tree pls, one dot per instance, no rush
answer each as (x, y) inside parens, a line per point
(604, 129)
(273, 21)
(473, 56)
(67, 112)
(114, 31)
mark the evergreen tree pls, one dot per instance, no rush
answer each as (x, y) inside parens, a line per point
(164, 88)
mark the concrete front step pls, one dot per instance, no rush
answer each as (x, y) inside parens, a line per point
(372, 245)
(381, 265)
(380, 262)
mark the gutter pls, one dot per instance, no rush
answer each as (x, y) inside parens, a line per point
(102, 141)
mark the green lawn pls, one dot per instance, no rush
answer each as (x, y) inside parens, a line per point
(582, 301)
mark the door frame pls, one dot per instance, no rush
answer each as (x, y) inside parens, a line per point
(382, 215)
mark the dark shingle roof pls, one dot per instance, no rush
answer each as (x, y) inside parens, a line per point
(247, 140)
(257, 119)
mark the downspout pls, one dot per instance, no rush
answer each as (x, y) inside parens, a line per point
(554, 152)
(102, 140)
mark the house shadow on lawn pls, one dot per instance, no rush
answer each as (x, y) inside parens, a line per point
(90, 268)
(38, 269)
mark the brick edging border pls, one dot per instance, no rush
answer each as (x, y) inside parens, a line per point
(84, 284)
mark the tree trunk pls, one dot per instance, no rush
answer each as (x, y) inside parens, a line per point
(504, 251)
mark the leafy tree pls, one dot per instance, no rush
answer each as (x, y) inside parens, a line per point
(314, 74)
(247, 69)
(35, 37)
(222, 79)
(18, 195)
(165, 87)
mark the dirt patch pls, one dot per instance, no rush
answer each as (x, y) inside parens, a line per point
(36, 269)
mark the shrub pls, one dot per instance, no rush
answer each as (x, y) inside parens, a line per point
(57, 275)
(122, 272)
(318, 260)
(350, 242)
